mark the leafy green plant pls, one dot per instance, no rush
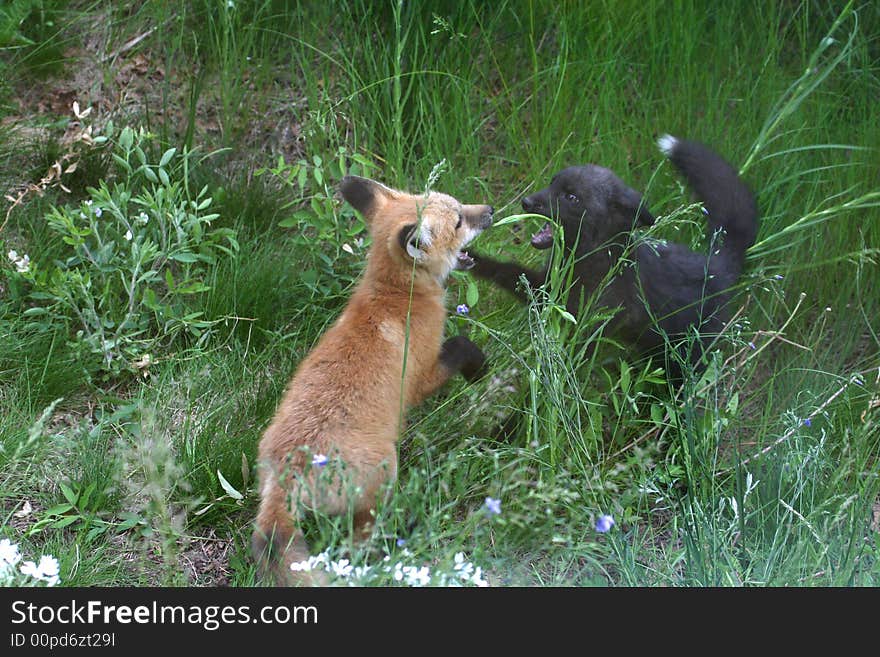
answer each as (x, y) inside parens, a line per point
(325, 229)
(135, 251)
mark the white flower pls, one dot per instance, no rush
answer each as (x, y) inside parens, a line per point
(143, 218)
(23, 265)
(298, 566)
(127, 235)
(319, 460)
(46, 571)
(341, 568)
(477, 579)
(98, 211)
(13, 255)
(362, 571)
(9, 554)
(418, 576)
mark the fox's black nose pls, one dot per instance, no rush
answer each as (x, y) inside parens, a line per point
(529, 203)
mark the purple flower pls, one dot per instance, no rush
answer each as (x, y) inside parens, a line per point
(401, 542)
(807, 422)
(604, 523)
(493, 506)
(752, 345)
(319, 460)
(778, 277)
(462, 309)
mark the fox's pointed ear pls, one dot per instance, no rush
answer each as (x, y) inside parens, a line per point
(632, 204)
(365, 195)
(407, 239)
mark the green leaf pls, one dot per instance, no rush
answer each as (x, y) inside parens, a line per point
(512, 219)
(84, 498)
(472, 296)
(234, 494)
(295, 219)
(126, 138)
(166, 156)
(64, 522)
(624, 377)
(164, 177)
(94, 532)
(59, 509)
(657, 414)
(122, 163)
(565, 314)
(150, 174)
(310, 277)
(733, 404)
(68, 493)
(130, 521)
(183, 256)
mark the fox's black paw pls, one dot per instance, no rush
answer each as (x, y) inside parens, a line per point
(459, 354)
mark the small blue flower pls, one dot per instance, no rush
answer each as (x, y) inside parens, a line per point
(778, 277)
(401, 542)
(493, 506)
(807, 422)
(705, 211)
(319, 460)
(98, 211)
(752, 345)
(604, 523)
(462, 309)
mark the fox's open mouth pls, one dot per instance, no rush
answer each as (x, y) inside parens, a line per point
(543, 239)
(463, 260)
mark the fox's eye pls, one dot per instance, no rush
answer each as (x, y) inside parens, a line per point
(458, 225)
(572, 198)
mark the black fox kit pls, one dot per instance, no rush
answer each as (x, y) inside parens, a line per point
(671, 288)
(345, 401)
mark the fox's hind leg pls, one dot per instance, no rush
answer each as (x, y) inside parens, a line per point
(277, 541)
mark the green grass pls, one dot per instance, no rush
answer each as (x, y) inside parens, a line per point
(721, 484)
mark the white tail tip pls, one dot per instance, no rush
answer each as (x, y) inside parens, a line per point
(667, 144)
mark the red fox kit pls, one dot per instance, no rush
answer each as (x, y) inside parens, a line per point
(345, 403)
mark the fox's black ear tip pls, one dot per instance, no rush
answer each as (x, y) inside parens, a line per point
(359, 192)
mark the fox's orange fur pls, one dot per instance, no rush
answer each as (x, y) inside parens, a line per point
(345, 401)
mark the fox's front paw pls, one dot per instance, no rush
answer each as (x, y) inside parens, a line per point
(459, 354)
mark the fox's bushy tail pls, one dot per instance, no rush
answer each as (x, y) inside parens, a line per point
(728, 200)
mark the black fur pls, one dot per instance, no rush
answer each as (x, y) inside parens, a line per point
(359, 192)
(405, 234)
(459, 354)
(670, 289)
